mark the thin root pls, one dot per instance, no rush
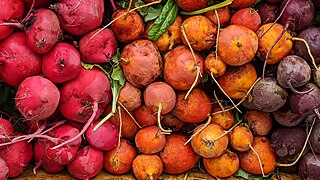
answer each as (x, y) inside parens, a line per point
(159, 121)
(134, 119)
(226, 132)
(255, 152)
(298, 92)
(218, 101)
(218, 32)
(201, 129)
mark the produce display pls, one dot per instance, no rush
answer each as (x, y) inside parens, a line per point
(228, 88)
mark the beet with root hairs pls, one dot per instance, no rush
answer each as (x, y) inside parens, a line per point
(62, 63)
(141, 62)
(10, 10)
(44, 31)
(99, 49)
(79, 17)
(16, 57)
(37, 98)
(87, 163)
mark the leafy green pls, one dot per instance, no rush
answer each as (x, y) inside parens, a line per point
(162, 23)
(123, 3)
(205, 77)
(117, 80)
(149, 13)
(243, 175)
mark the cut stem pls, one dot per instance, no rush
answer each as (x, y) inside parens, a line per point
(260, 163)
(303, 149)
(210, 8)
(199, 131)
(85, 127)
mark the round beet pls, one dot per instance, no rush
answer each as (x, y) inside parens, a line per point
(287, 143)
(99, 49)
(191, 5)
(293, 71)
(147, 167)
(4, 169)
(37, 98)
(268, 12)
(145, 116)
(141, 62)
(312, 36)
(6, 130)
(104, 138)
(247, 17)
(180, 68)
(171, 121)
(130, 96)
(119, 161)
(309, 166)
(44, 31)
(87, 163)
(268, 96)
(316, 76)
(195, 108)
(62, 63)
(286, 117)
(305, 104)
(176, 157)
(150, 140)
(315, 137)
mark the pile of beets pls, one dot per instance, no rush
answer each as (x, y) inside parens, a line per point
(151, 87)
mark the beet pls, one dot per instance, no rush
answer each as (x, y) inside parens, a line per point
(268, 12)
(4, 169)
(315, 137)
(62, 63)
(293, 71)
(145, 116)
(309, 167)
(130, 96)
(312, 37)
(268, 96)
(316, 76)
(287, 143)
(286, 117)
(298, 15)
(6, 130)
(305, 104)
(16, 57)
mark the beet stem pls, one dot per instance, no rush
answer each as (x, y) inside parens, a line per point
(120, 132)
(269, 51)
(255, 152)
(39, 164)
(85, 127)
(282, 11)
(296, 91)
(27, 17)
(308, 48)
(136, 8)
(14, 24)
(304, 146)
(201, 129)
(134, 119)
(214, 79)
(210, 8)
(113, 5)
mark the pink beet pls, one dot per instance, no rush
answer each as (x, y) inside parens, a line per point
(62, 63)
(87, 164)
(99, 49)
(79, 17)
(105, 138)
(10, 10)
(4, 169)
(17, 60)
(6, 130)
(37, 98)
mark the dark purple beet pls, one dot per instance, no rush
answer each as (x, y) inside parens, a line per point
(268, 96)
(316, 76)
(268, 12)
(312, 36)
(287, 143)
(315, 138)
(298, 15)
(293, 71)
(286, 117)
(309, 167)
(305, 104)
(274, 1)
(317, 3)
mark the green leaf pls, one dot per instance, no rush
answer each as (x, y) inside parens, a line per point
(243, 175)
(162, 23)
(149, 13)
(123, 3)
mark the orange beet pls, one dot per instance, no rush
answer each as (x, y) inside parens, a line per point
(192, 5)
(259, 122)
(240, 138)
(205, 144)
(238, 4)
(223, 14)
(223, 166)
(176, 157)
(247, 17)
(280, 50)
(119, 163)
(225, 119)
(214, 65)
(237, 45)
(149, 140)
(145, 116)
(249, 161)
(172, 122)
(130, 96)
(147, 167)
